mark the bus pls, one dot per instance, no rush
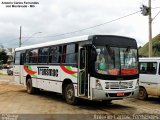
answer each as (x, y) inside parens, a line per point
(93, 67)
(149, 78)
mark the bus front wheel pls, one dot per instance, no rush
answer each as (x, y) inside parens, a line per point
(30, 89)
(142, 93)
(70, 94)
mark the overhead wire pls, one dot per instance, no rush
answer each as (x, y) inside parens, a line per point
(155, 16)
(62, 34)
(83, 29)
(92, 26)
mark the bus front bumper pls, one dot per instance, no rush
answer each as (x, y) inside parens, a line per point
(114, 94)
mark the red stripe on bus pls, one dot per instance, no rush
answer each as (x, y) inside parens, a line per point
(67, 71)
(29, 71)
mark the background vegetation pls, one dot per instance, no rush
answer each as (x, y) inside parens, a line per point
(143, 51)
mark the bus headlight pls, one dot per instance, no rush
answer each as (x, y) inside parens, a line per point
(98, 85)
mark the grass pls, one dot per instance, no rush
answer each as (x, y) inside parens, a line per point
(1, 74)
(144, 50)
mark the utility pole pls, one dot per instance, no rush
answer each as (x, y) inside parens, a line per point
(150, 29)
(20, 37)
(146, 11)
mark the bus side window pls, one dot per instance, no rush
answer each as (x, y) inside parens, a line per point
(43, 55)
(70, 54)
(151, 67)
(64, 54)
(143, 67)
(55, 54)
(27, 56)
(23, 58)
(33, 56)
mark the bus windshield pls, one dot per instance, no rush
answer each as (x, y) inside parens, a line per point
(116, 61)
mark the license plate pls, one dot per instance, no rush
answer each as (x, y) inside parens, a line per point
(120, 94)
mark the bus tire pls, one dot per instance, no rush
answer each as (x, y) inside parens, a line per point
(70, 94)
(30, 89)
(142, 94)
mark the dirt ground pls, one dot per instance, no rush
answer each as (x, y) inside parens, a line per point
(5, 77)
(15, 100)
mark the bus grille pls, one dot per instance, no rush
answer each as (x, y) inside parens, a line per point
(119, 85)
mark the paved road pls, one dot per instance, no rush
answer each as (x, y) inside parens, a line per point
(15, 100)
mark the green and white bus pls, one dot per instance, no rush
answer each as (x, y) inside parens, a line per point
(93, 67)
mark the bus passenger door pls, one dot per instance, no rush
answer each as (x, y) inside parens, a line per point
(17, 68)
(22, 60)
(83, 79)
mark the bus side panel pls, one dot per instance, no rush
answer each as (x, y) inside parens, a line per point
(71, 73)
(149, 82)
(49, 85)
(49, 78)
(29, 70)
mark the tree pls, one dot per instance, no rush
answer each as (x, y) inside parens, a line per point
(3, 57)
(156, 46)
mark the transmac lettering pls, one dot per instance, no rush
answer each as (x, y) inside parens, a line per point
(48, 72)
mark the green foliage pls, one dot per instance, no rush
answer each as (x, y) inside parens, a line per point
(143, 51)
(3, 57)
(156, 47)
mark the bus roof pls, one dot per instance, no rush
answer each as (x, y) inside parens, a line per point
(131, 42)
(55, 42)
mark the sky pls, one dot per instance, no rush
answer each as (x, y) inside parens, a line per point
(57, 19)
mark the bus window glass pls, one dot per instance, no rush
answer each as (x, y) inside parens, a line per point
(43, 55)
(70, 53)
(27, 56)
(72, 58)
(128, 58)
(64, 54)
(70, 49)
(116, 61)
(54, 55)
(148, 67)
(17, 58)
(23, 57)
(33, 56)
